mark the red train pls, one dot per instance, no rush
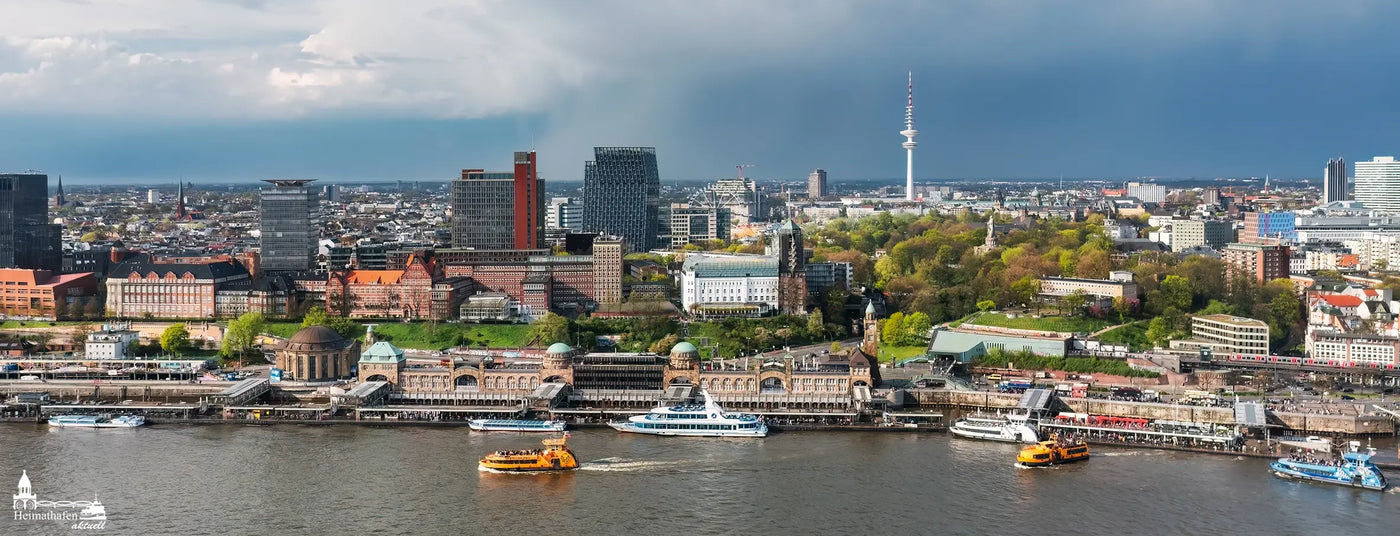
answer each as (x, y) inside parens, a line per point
(1306, 361)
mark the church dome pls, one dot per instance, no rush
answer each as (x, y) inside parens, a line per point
(559, 348)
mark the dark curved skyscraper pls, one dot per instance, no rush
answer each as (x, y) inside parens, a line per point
(622, 194)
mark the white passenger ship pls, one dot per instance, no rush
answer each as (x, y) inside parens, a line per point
(696, 420)
(1010, 428)
(96, 421)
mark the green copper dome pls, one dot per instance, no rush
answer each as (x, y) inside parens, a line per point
(559, 348)
(683, 347)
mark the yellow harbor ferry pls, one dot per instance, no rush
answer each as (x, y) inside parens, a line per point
(1053, 452)
(555, 456)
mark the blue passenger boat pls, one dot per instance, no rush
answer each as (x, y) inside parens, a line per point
(1353, 468)
(514, 425)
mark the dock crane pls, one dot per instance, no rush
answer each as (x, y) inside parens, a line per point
(741, 168)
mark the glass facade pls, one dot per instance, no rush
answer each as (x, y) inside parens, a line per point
(27, 239)
(289, 226)
(483, 210)
(621, 194)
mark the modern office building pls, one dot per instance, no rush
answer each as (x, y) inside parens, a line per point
(816, 184)
(621, 195)
(1261, 262)
(1334, 181)
(1226, 335)
(1187, 234)
(27, 239)
(1269, 227)
(563, 213)
(1147, 192)
(695, 225)
(289, 227)
(499, 209)
(1377, 182)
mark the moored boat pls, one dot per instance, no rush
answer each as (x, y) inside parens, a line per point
(1353, 468)
(555, 456)
(1012, 428)
(96, 421)
(706, 419)
(1053, 452)
(516, 425)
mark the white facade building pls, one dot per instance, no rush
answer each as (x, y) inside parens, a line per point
(734, 280)
(1147, 192)
(1377, 182)
(112, 342)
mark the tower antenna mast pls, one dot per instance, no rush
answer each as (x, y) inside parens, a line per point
(909, 144)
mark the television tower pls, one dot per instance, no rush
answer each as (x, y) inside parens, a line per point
(909, 143)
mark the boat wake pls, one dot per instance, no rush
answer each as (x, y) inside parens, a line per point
(621, 465)
(500, 472)
(1020, 465)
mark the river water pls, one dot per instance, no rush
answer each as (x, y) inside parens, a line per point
(288, 479)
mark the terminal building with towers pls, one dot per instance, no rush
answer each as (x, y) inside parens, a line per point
(622, 195)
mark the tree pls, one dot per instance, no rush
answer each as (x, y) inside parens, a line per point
(986, 305)
(174, 339)
(1075, 301)
(1093, 264)
(916, 329)
(664, 345)
(242, 334)
(835, 347)
(892, 329)
(1176, 292)
(1025, 290)
(60, 309)
(79, 335)
(92, 310)
(1158, 331)
(550, 329)
(815, 324)
(317, 316)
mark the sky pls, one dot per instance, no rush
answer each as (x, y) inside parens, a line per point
(235, 90)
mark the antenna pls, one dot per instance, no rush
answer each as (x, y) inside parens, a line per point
(909, 133)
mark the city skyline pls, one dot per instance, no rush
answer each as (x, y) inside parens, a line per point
(1154, 89)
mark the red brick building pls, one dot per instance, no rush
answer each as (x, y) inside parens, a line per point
(35, 293)
(1263, 263)
(420, 291)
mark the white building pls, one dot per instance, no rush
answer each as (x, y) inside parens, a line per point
(152, 197)
(729, 280)
(112, 342)
(563, 213)
(1377, 182)
(1147, 192)
(1353, 349)
(1226, 335)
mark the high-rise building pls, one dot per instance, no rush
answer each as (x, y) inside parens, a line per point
(563, 213)
(1187, 234)
(816, 184)
(289, 226)
(499, 209)
(1377, 182)
(27, 239)
(152, 196)
(621, 194)
(694, 225)
(1269, 227)
(792, 269)
(1147, 192)
(607, 269)
(1334, 181)
(1257, 261)
(740, 196)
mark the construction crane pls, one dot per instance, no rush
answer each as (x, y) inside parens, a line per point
(741, 169)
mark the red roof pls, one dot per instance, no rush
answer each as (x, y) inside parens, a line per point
(1341, 300)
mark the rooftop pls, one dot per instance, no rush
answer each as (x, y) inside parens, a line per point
(1234, 320)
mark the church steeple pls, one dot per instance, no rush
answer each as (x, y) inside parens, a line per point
(871, 344)
(180, 201)
(58, 199)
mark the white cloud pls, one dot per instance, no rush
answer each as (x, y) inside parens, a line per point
(476, 58)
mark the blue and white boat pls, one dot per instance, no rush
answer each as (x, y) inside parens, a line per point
(706, 419)
(96, 421)
(1353, 468)
(514, 425)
